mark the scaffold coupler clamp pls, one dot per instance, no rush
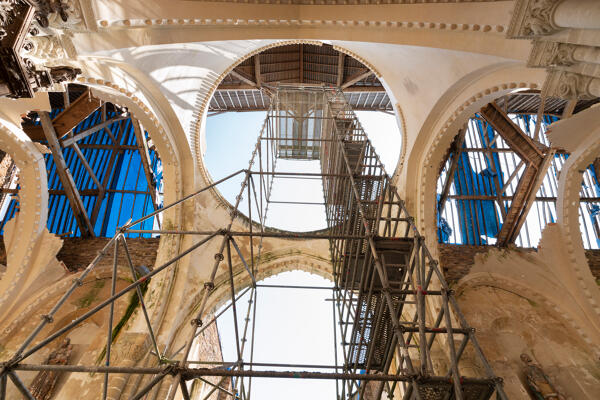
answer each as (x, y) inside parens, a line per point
(48, 318)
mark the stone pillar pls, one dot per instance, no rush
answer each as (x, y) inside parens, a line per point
(579, 14)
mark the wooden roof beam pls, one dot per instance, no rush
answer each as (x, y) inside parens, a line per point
(76, 112)
(257, 76)
(523, 199)
(142, 144)
(340, 69)
(301, 62)
(243, 78)
(68, 119)
(516, 139)
(65, 177)
(455, 151)
(83, 134)
(356, 78)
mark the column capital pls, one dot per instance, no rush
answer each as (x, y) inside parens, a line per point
(568, 85)
(549, 54)
(533, 18)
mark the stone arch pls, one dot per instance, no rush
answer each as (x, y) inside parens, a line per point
(500, 281)
(278, 262)
(450, 113)
(512, 318)
(30, 222)
(46, 299)
(569, 186)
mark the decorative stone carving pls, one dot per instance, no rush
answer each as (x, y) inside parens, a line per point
(64, 74)
(44, 48)
(533, 18)
(549, 54)
(568, 85)
(69, 16)
(539, 18)
(19, 76)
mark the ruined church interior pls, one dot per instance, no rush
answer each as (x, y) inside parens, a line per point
(292, 199)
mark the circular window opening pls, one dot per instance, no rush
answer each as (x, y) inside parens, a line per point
(238, 109)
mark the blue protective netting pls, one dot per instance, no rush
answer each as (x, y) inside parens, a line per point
(120, 170)
(479, 219)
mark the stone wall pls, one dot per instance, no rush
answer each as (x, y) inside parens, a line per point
(77, 253)
(457, 260)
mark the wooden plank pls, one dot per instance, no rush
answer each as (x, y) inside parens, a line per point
(523, 199)
(72, 115)
(65, 177)
(522, 144)
(86, 165)
(349, 89)
(75, 113)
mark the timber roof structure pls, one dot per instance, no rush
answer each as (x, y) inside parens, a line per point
(246, 87)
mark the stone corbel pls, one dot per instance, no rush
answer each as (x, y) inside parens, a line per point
(76, 15)
(533, 18)
(550, 54)
(570, 85)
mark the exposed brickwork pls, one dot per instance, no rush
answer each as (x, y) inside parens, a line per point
(77, 253)
(457, 260)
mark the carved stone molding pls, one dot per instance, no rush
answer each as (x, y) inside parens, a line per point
(568, 85)
(533, 18)
(20, 75)
(69, 17)
(549, 54)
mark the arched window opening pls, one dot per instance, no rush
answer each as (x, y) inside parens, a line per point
(291, 324)
(499, 182)
(103, 169)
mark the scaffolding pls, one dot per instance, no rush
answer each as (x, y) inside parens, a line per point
(394, 314)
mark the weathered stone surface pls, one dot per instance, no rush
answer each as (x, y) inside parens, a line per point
(457, 260)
